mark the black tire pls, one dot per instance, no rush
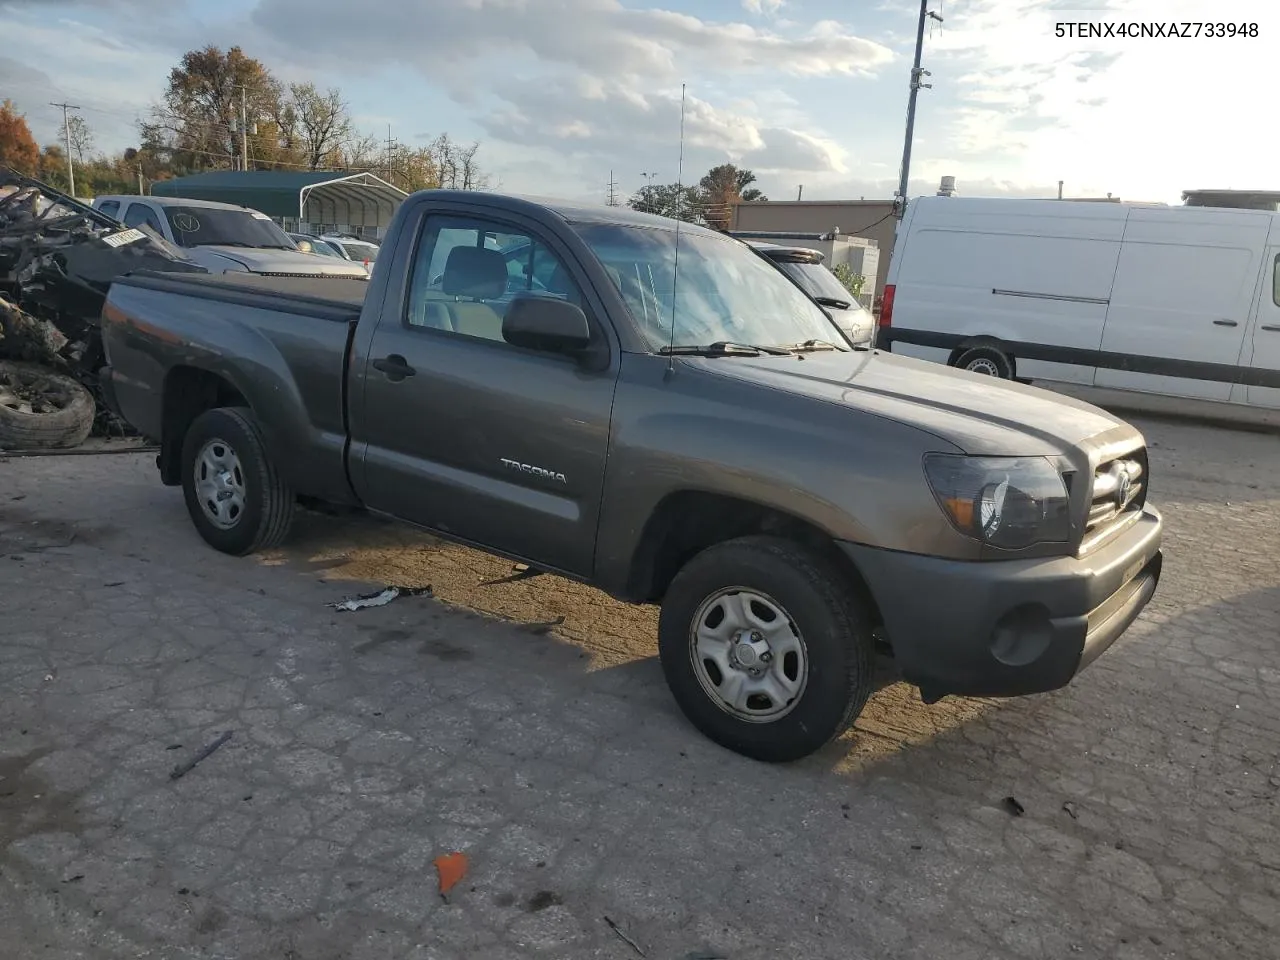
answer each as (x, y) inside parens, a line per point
(988, 361)
(42, 410)
(268, 503)
(826, 614)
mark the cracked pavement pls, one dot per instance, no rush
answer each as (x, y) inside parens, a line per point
(525, 723)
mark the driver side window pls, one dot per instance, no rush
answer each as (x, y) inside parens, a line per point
(141, 215)
(467, 271)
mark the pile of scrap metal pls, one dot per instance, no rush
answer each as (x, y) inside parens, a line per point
(57, 259)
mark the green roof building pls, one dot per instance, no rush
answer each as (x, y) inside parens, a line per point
(306, 201)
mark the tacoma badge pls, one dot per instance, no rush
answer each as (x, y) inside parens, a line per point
(536, 471)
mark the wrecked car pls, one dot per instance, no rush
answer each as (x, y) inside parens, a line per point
(58, 258)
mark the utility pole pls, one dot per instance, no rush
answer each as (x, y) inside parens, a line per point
(390, 145)
(613, 196)
(244, 130)
(648, 190)
(66, 132)
(800, 193)
(141, 191)
(1059, 189)
(916, 85)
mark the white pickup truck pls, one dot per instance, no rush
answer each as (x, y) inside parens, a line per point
(224, 238)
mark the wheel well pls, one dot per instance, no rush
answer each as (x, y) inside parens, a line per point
(188, 392)
(686, 523)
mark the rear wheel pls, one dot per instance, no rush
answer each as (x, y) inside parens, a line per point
(987, 361)
(234, 494)
(765, 648)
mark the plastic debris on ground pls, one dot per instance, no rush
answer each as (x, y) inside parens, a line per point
(379, 598)
(451, 868)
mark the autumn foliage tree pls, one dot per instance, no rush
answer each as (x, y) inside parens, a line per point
(198, 121)
(18, 148)
(721, 188)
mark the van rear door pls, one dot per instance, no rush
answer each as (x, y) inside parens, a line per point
(1181, 301)
(1262, 373)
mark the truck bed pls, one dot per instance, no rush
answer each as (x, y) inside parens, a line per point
(338, 299)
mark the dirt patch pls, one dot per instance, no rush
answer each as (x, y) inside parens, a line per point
(608, 632)
(28, 806)
(22, 534)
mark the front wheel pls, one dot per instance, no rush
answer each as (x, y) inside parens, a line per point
(234, 494)
(765, 648)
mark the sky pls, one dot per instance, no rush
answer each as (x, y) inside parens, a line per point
(564, 94)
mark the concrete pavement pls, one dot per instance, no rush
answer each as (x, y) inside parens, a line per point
(366, 744)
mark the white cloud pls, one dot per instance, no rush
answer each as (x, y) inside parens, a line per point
(109, 76)
(768, 8)
(1142, 117)
(601, 37)
(602, 120)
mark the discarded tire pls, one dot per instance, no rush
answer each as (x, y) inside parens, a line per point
(41, 410)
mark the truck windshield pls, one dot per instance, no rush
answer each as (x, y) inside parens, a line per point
(722, 291)
(209, 226)
(817, 281)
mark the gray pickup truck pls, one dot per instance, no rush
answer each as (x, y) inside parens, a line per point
(654, 409)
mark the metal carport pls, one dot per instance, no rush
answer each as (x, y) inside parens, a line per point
(309, 201)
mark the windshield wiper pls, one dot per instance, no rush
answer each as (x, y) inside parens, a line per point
(833, 302)
(814, 345)
(723, 348)
(221, 243)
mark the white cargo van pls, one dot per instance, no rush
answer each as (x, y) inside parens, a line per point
(1173, 301)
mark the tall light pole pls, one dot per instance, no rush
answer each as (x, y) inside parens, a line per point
(916, 85)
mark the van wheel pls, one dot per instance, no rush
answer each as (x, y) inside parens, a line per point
(986, 361)
(234, 494)
(765, 648)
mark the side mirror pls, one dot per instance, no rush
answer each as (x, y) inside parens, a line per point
(546, 323)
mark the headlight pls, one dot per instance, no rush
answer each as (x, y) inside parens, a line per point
(1007, 502)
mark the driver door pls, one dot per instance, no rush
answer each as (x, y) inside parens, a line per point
(501, 446)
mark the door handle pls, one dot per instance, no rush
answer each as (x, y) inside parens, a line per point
(1225, 323)
(1271, 328)
(394, 367)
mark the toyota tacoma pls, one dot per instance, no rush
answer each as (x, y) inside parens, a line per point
(653, 408)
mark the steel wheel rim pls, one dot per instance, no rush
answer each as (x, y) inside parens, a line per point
(983, 366)
(748, 655)
(219, 483)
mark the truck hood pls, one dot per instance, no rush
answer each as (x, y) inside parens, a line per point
(978, 414)
(284, 261)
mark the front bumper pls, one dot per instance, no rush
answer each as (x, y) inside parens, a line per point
(1010, 627)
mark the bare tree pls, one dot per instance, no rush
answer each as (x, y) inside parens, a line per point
(81, 137)
(362, 153)
(323, 122)
(472, 177)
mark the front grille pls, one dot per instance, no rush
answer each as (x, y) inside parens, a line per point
(1118, 494)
